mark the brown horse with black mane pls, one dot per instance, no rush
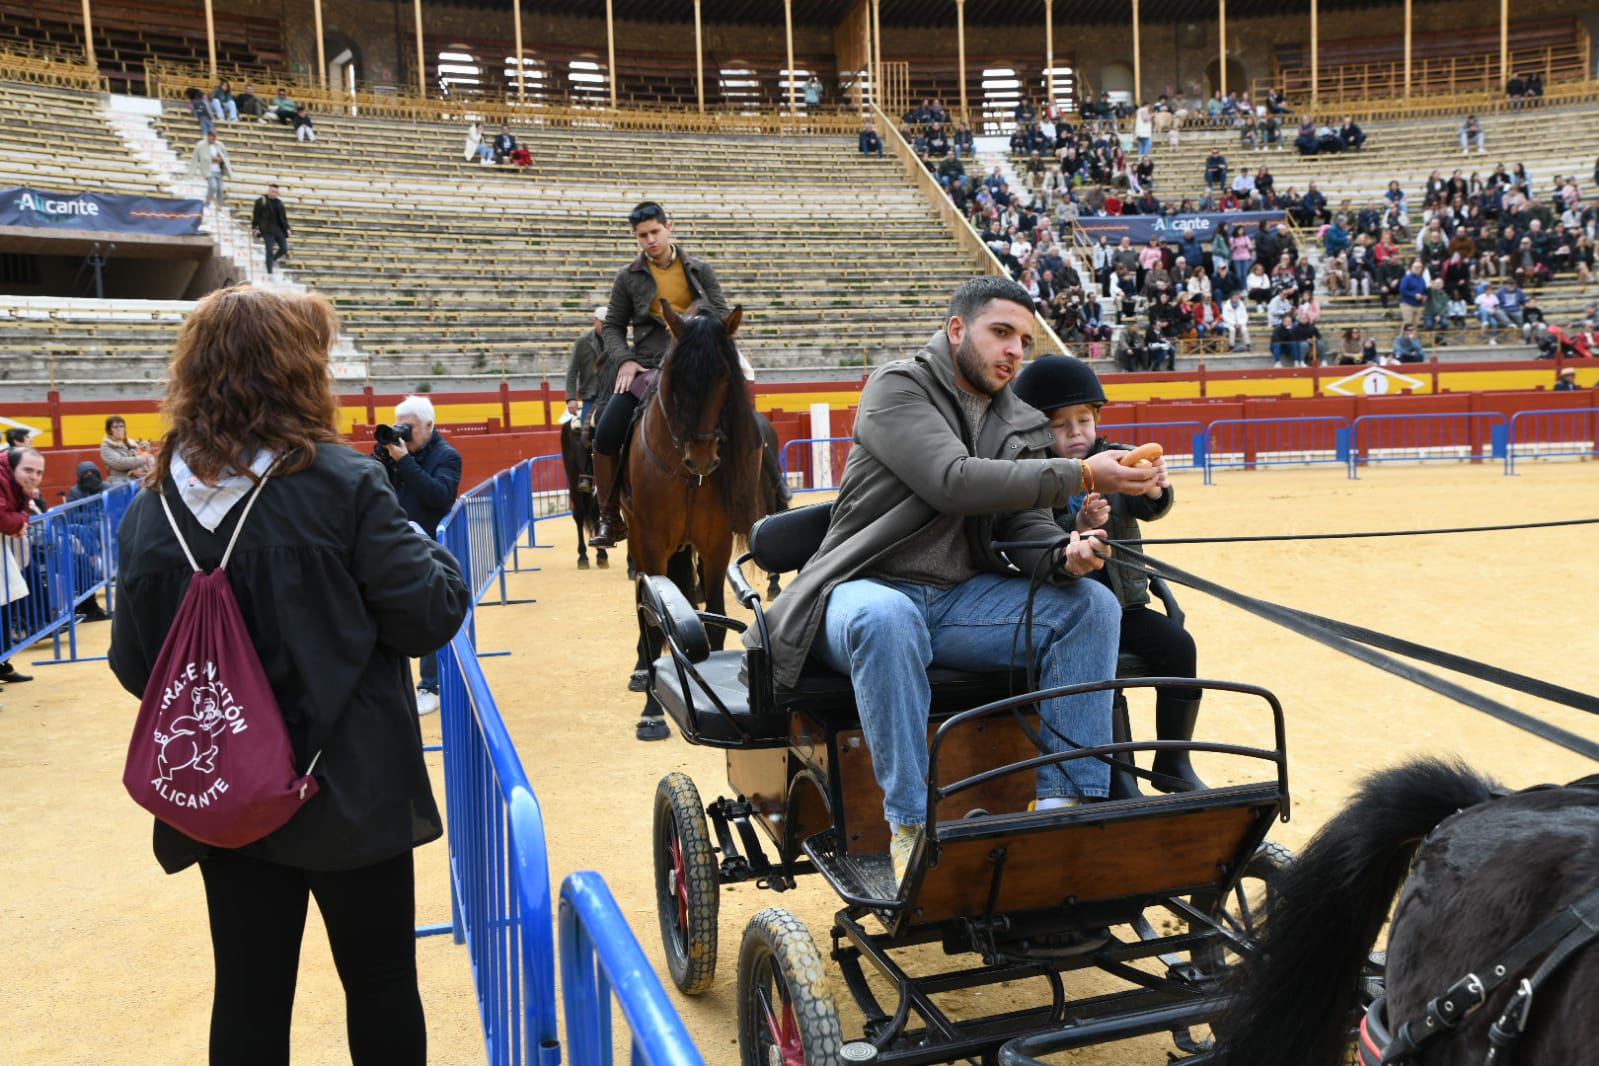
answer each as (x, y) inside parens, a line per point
(694, 469)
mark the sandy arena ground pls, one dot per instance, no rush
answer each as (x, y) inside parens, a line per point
(109, 959)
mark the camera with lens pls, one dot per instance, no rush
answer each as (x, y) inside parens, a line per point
(386, 435)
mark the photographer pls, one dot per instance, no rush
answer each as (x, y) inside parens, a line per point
(425, 472)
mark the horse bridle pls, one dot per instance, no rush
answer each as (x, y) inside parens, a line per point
(680, 472)
(1562, 936)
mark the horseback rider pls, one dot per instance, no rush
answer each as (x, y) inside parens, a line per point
(662, 271)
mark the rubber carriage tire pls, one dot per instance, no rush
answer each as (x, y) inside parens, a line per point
(687, 892)
(1241, 909)
(784, 1000)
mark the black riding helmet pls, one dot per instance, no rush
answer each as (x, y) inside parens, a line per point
(1052, 381)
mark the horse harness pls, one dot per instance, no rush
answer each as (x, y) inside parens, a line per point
(1561, 936)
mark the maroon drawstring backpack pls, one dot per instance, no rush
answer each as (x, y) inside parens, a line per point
(210, 755)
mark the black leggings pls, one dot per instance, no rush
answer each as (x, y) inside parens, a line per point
(257, 912)
(1163, 644)
(612, 424)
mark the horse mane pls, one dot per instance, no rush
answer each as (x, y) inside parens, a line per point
(1293, 998)
(702, 357)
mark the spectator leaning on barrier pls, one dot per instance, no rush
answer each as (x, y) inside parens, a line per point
(21, 474)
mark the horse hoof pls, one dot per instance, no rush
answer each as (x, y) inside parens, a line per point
(601, 561)
(639, 682)
(652, 727)
(582, 562)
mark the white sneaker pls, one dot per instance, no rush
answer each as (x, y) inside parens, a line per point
(900, 847)
(1494, 341)
(426, 702)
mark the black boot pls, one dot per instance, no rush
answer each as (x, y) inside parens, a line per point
(1174, 720)
(1123, 782)
(612, 528)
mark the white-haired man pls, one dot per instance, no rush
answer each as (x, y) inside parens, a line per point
(426, 474)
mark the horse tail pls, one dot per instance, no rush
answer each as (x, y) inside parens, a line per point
(1294, 997)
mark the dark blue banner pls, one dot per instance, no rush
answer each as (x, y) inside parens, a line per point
(99, 211)
(1170, 228)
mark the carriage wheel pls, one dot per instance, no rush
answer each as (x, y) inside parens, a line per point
(1241, 910)
(686, 888)
(786, 1014)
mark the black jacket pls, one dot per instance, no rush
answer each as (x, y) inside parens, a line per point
(269, 218)
(337, 592)
(426, 481)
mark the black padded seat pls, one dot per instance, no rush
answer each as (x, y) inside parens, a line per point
(722, 672)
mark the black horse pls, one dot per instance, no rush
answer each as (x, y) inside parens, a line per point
(1485, 871)
(576, 460)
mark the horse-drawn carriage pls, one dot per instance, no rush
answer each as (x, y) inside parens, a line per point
(1155, 895)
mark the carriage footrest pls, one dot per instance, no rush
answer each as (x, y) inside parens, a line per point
(863, 879)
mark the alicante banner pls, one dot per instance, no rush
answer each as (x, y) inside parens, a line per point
(1171, 228)
(99, 211)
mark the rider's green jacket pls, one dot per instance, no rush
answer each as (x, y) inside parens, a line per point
(910, 462)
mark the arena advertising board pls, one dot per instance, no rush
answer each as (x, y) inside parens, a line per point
(1170, 228)
(25, 206)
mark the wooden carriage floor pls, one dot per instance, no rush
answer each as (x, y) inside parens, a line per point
(109, 958)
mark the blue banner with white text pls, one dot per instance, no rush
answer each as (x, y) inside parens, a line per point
(99, 211)
(1170, 228)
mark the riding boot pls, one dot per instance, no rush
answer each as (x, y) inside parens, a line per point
(1123, 782)
(1174, 720)
(612, 529)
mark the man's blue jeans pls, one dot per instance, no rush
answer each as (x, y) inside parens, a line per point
(885, 635)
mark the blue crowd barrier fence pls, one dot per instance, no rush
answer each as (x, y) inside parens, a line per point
(814, 464)
(599, 954)
(499, 869)
(1418, 437)
(1256, 442)
(67, 555)
(1573, 431)
(500, 887)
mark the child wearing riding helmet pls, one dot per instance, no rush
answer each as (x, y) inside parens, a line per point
(1065, 389)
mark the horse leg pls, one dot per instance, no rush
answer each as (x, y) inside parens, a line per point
(601, 560)
(582, 543)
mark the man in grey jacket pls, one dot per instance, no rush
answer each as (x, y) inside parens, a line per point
(945, 461)
(662, 271)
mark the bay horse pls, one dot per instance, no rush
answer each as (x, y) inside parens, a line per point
(580, 493)
(1500, 908)
(693, 469)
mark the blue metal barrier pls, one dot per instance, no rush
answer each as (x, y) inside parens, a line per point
(593, 930)
(1256, 442)
(68, 555)
(499, 871)
(1424, 437)
(1178, 440)
(814, 464)
(1550, 433)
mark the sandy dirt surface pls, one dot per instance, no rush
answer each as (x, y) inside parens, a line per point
(109, 959)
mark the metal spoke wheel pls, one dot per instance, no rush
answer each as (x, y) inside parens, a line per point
(786, 1014)
(1241, 910)
(686, 890)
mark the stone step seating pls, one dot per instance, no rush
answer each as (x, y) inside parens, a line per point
(434, 261)
(64, 144)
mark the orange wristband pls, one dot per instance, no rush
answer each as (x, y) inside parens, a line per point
(1085, 476)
